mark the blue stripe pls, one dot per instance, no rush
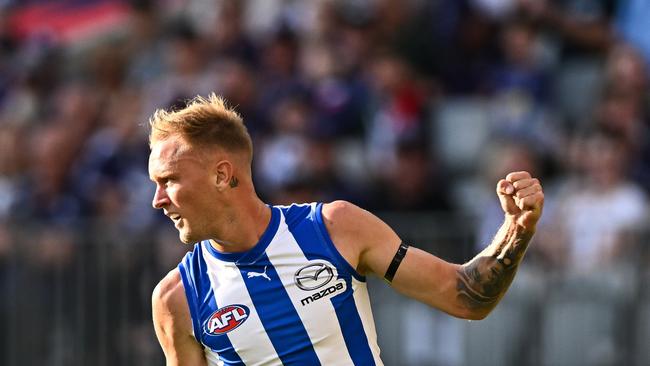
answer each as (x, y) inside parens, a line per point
(185, 268)
(278, 315)
(221, 343)
(321, 230)
(315, 243)
(204, 304)
(355, 337)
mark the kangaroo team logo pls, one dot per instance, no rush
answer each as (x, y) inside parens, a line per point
(313, 276)
(226, 319)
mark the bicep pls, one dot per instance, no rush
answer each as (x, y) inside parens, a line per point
(431, 280)
(173, 324)
(421, 276)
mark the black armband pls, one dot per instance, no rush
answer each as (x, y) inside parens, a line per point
(397, 260)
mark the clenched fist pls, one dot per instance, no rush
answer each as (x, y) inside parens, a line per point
(522, 199)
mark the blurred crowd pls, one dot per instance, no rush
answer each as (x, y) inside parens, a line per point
(394, 105)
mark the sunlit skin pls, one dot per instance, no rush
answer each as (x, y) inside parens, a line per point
(194, 189)
(208, 193)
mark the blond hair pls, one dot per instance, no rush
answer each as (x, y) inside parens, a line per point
(203, 122)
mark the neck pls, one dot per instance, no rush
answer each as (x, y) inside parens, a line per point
(244, 227)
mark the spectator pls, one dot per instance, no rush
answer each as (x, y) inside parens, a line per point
(337, 95)
(594, 211)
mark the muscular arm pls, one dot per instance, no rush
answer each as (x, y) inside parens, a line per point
(173, 323)
(468, 291)
(483, 281)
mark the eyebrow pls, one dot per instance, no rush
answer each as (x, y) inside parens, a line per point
(154, 178)
(157, 175)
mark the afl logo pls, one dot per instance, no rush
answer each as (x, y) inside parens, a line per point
(313, 276)
(226, 319)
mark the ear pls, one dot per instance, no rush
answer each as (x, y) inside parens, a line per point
(223, 174)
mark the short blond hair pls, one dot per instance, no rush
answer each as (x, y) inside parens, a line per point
(203, 122)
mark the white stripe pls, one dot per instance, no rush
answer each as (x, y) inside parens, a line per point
(212, 357)
(250, 340)
(318, 317)
(362, 301)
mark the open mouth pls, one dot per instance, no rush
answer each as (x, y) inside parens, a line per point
(176, 218)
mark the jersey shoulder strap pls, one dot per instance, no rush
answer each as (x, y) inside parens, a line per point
(193, 270)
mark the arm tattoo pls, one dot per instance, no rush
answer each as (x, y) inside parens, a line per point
(483, 281)
(234, 182)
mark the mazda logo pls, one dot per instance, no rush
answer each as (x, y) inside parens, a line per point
(313, 276)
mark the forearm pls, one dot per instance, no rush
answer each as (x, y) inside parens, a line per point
(483, 281)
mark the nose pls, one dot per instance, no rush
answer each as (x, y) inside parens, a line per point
(160, 198)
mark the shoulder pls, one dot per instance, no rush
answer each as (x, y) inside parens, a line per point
(173, 323)
(346, 215)
(169, 304)
(168, 289)
(356, 232)
(341, 211)
(345, 218)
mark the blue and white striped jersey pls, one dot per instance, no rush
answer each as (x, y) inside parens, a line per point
(292, 299)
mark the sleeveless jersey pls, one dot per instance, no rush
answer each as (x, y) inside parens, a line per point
(290, 300)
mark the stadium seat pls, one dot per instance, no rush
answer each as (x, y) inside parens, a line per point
(453, 119)
(582, 318)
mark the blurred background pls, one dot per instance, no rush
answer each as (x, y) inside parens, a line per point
(412, 109)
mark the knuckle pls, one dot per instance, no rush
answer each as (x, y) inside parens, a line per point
(521, 183)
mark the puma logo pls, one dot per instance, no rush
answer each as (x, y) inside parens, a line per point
(251, 274)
